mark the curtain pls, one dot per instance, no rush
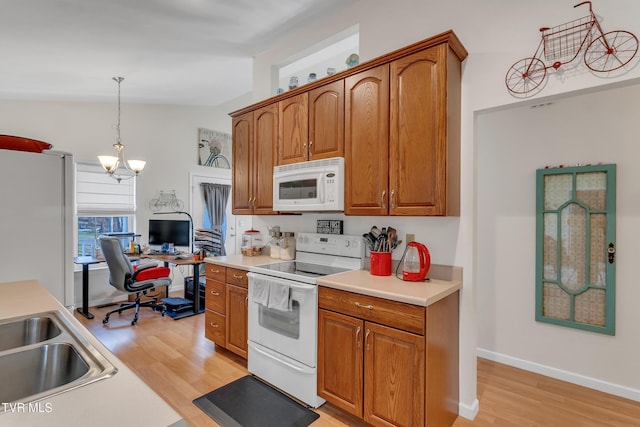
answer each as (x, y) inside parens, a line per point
(215, 201)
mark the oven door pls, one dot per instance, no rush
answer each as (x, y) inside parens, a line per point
(293, 332)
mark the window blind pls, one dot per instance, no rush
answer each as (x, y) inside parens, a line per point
(97, 194)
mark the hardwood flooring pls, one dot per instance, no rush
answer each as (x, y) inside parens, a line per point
(178, 363)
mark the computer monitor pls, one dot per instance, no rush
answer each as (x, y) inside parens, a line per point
(173, 231)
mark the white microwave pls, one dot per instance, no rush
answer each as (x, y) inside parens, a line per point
(317, 185)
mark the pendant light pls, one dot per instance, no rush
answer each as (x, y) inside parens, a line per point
(116, 166)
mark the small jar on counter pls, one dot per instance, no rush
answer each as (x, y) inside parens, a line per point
(274, 245)
(288, 246)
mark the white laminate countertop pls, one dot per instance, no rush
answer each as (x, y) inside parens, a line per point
(363, 282)
(120, 400)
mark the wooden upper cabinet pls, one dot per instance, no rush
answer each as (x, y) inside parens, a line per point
(423, 156)
(293, 129)
(242, 174)
(265, 143)
(396, 121)
(254, 143)
(367, 142)
(326, 121)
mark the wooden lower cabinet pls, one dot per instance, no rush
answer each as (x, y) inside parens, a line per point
(236, 327)
(385, 375)
(226, 308)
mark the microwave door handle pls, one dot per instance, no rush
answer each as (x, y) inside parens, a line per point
(321, 188)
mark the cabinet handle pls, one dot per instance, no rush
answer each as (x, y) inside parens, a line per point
(366, 339)
(310, 149)
(213, 325)
(238, 276)
(357, 340)
(368, 307)
(215, 293)
(304, 150)
(215, 271)
(382, 199)
(393, 197)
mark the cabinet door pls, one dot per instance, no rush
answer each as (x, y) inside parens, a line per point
(340, 356)
(367, 142)
(293, 128)
(394, 377)
(236, 320)
(418, 134)
(242, 131)
(264, 152)
(326, 121)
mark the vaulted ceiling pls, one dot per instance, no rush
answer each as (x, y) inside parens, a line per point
(189, 52)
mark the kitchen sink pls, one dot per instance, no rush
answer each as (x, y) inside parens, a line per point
(31, 330)
(39, 369)
(44, 354)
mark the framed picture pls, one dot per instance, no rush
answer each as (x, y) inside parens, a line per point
(214, 148)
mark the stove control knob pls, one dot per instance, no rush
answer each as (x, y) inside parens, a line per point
(354, 243)
(346, 243)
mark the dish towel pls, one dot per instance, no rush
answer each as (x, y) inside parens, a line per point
(260, 291)
(279, 297)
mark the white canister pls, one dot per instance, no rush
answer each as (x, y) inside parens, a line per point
(288, 246)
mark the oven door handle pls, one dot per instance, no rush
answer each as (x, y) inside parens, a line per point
(282, 361)
(293, 285)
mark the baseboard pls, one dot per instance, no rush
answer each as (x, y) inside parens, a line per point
(582, 380)
(469, 411)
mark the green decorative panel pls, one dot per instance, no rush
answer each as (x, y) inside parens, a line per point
(575, 255)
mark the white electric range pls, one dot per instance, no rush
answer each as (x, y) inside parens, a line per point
(283, 311)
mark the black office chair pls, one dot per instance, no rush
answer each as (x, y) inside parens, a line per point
(127, 278)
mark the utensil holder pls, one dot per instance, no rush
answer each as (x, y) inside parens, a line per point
(380, 264)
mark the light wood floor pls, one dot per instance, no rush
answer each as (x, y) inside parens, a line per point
(175, 360)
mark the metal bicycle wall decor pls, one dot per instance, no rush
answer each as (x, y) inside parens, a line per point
(166, 199)
(560, 45)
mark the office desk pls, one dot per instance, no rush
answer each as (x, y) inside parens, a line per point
(166, 259)
(171, 259)
(86, 261)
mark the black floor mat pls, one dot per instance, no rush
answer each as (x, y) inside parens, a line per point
(249, 402)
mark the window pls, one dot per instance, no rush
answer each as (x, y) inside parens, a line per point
(575, 275)
(103, 206)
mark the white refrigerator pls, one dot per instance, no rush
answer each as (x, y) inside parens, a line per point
(36, 220)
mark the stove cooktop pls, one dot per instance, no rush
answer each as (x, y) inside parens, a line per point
(299, 268)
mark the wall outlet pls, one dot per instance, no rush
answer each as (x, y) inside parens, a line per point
(410, 238)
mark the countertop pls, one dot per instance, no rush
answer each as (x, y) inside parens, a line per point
(444, 280)
(123, 399)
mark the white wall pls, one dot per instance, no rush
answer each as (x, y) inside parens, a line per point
(165, 136)
(496, 33)
(591, 128)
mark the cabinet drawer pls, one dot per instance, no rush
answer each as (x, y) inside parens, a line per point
(237, 277)
(214, 327)
(396, 314)
(214, 299)
(216, 272)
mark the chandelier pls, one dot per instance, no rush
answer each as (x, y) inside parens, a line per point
(116, 166)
